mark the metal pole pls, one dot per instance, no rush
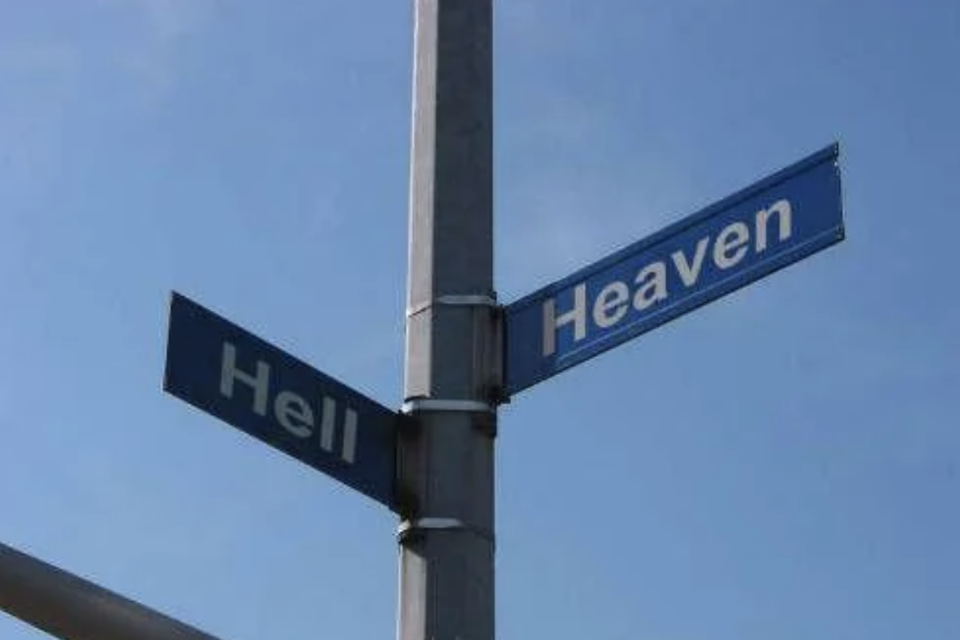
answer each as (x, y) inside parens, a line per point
(452, 381)
(71, 608)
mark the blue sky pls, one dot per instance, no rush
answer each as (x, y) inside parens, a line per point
(783, 463)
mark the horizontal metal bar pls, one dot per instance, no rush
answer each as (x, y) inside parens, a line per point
(71, 608)
(409, 527)
(434, 404)
(430, 523)
(455, 300)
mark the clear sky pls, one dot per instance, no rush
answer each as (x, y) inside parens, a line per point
(781, 464)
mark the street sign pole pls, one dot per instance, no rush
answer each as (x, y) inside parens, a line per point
(71, 608)
(446, 452)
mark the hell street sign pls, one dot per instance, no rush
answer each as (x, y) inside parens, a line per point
(222, 369)
(765, 227)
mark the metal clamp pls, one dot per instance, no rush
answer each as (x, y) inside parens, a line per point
(410, 527)
(455, 300)
(433, 404)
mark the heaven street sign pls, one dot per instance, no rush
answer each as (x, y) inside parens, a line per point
(765, 227)
(222, 369)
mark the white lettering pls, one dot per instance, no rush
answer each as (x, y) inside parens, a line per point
(552, 324)
(294, 414)
(350, 436)
(690, 273)
(784, 213)
(611, 304)
(616, 302)
(652, 281)
(291, 411)
(260, 383)
(327, 424)
(734, 237)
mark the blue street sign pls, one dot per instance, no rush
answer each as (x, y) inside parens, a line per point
(218, 367)
(765, 227)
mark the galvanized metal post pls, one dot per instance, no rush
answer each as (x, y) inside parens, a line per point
(446, 454)
(71, 608)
